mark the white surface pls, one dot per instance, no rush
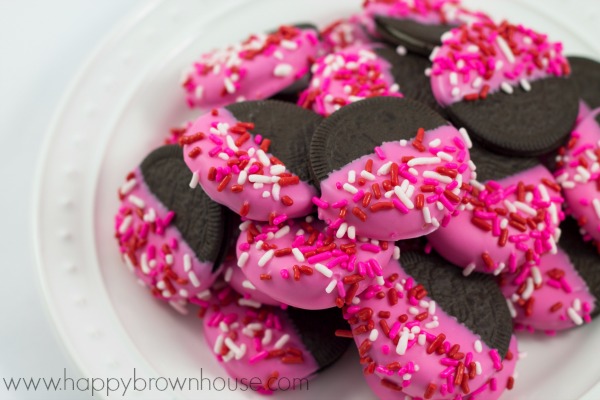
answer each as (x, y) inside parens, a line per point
(42, 62)
(42, 43)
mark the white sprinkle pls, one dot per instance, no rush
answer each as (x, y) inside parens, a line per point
(510, 57)
(455, 92)
(478, 369)
(267, 337)
(506, 88)
(477, 346)
(243, 259)
(435, 222)
(373, 335)
(469, 269)
(254, 178)
(298, 254)
(432, 307)
(525, 85)
(432, 325)
(218, 344)
(282, 232)
(169, 259)
(282, 70)
(403, 198)
(194, 181)
(199, 92)
(351, 176)
(584, 173)
(324, 270)
(266, 194)
(204, 295)
(413, 310)
(144, 263)
(282, 341)
(453, 78)
(223, 326)
(289, 45)
(367, 175)
(525, 208)
(499, 269)
(125, 224)
(426, 215)
(384, 169)
(577, 305)
(277, 169)
(194, 279)
(128, 186)
(342, 230)
(379, 280)
(435, 142)
(436, 176)
(275, 191)
(434, 53)
(576, 318)
(396, 255)
(402, 343)
(187, 262)
(331, 286)
(423, 161)
(477, 83)
(568, 185)
(537, 275)
(228, 274)
(229, 86)
(529, 288)
(511, 308)
(465, 136)
(249, 303)
(262, 157)
(266, 258)
(445, 156)
(136, 201)
(351, 232)
(350, 189)
(223, 156)
(242, 177)
(401, 50)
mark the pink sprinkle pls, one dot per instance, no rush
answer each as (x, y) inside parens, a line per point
(385, 349)
(340, 203)
(380, 153)
(565, 285)
(258, 139)
(284, 273)
(394, 330)
(320, 203)
(259, 356)
(400, 206)
(214, 151)
(317, 258)
(493, 385)
(370, 247)
(358, 196)
(341, 289)
(278, 220)
(496, 359)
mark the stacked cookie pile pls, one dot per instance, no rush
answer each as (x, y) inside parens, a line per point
(417, 177)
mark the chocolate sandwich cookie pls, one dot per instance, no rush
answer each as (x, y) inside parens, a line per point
(577, 171)
(307, 265)
(586, 74)
(430, 332)
(255, 69)
(511, 216)
(251, 157)
(389, 168)
(561, 291)
(270, 348)
(416, 25)
(508, 85)
(171, 237)
(347, 76)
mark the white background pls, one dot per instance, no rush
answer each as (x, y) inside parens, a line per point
(42, 45)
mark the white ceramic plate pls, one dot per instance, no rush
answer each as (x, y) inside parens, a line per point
(120, 106)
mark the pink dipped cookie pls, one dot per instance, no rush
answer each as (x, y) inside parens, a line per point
(578, 172)
(267, 348)
(389, 168)
(562, 291)
(493, 389)
(511, 217)
(508, 85)
(307, 265)
(428, 332)
(251, 157)
(346, 76)
(344, 33)
(169, 236)
(417, 25)
(256, 69)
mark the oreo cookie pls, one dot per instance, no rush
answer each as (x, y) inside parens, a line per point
(428, 315)
(586, 74)
(294, 344)
(173, 238)
(510, 100)
(251, 157)
(373, 160)
(417, 26)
